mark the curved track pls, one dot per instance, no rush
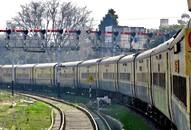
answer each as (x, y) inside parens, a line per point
(68, 116)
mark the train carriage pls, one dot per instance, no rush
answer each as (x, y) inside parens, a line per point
(69, 75)
(88, 74)
(143, 76)
(160, 78)
(108, 73)
(126, 75)
(24, 74)
(7, 71)
(44, 74)
(180, 53)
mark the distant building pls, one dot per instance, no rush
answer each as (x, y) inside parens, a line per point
(164, 22)
(125, 41)
(140, 39)
(108, 36)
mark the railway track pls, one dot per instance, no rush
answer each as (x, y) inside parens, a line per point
(68, 116)
(58, 121)
(101, 121)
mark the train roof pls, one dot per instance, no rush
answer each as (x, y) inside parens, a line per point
(45, 65)
(90, 62)
(144, 54)
(8, 66)
(162, 47)
(70, 64)
(111, 59)
(127, 58)
(26, 66)
(180, 36)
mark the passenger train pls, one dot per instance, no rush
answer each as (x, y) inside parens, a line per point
(157, 81)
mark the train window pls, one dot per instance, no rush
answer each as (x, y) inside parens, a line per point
(177, 48)
(84, 75)
(106, 65)
(108, 75)
(125, 76)
(179, 88)
(140, 68)
(140, 61)
(158, 67)
(65, 75)
(93, 74)
(142, 77)
(125, 64)
(160, 56)
(105, 75)
(159, 79)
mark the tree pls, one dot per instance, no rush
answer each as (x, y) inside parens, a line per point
(184, 19)
(55, 15)
(162, 35)
(52, 14)
(110, 19)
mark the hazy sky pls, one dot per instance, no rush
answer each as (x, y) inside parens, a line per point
(144, 13)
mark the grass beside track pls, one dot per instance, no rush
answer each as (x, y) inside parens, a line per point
(129, 119)
(23, 115)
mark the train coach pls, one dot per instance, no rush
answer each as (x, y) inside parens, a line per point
(126, 75)
(160, 78)
(180, 78)
(8, 74)
(69, 74)
(88, 74)
(24, 74)
(108, 73)
(143, 77)
(44, 74)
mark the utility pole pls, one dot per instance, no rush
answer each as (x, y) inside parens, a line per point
(8, 33)
(13, 76)
(116, 33)
(58, 54)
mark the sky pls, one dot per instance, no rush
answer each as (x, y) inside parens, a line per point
(137, 13)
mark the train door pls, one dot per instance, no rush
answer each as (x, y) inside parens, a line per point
(73, 77)
(169, 83)
(149, 67)
(116, 76)
(180, 82)
(33, 74)
(55, 70)
(78, 74)
(98, 74)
